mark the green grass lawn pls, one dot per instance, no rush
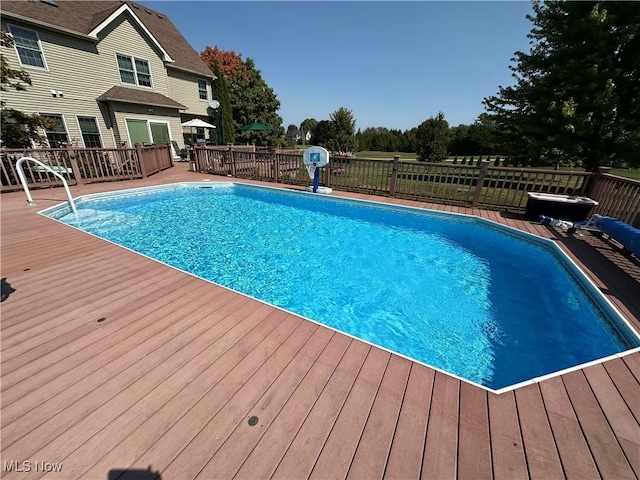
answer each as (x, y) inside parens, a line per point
(632, 173)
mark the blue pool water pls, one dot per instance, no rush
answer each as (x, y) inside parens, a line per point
(454, 292)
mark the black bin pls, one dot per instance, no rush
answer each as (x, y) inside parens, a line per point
(560, 207)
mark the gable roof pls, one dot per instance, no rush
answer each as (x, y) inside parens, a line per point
(86, 18)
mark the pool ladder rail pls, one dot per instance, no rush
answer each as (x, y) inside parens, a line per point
(23, 180)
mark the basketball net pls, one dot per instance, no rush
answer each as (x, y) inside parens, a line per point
(311, 169)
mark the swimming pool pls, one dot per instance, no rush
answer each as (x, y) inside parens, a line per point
(486, 303)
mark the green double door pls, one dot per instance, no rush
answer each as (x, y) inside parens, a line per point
(146, 132)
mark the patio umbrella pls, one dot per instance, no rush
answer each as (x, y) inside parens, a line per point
(195, 123)
(256, 127)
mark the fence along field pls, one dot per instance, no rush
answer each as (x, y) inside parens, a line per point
(483, 185)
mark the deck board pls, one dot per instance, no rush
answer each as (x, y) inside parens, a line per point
(576, 458)
(626, 385)
(441, 448)
(507, 448)
(474, 451)
(373, 450)
(170, 378)
(405, 458)
(605, 447)
(302, 454)
(338, 451)
(541, 451)
(236, 447)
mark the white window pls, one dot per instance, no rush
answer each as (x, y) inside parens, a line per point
(27, 44)
(56, 132)
(90, 133)
(202, 89)
(134, 71)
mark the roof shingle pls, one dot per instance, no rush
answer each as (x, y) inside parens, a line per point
(143, 97)
(83, 16)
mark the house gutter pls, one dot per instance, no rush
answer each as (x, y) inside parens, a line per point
(188, 70)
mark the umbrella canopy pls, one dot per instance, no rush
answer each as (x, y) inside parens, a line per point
(196, 122)
(256, 127)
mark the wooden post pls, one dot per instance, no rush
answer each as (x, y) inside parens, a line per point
(394, 175)
(276, 167)
(168, 147)
(143, 167)
(73, 159)
(595, 182)
(480, 184)
(232, 160)
(327, 175)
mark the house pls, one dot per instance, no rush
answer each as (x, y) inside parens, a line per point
(107, 72)
(294, 135)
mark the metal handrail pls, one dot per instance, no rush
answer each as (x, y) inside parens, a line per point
(23, 180)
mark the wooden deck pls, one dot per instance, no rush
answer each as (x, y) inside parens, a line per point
(168, 381)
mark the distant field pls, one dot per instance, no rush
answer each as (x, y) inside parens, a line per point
(632, 173)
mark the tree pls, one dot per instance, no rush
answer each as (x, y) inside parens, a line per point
(307, 125)
(408, 140)
(320, 134)
(477, 138)
(17, 129)
(576, 99)
(432, 139)
(292, 134)
(342, 131)
(379, 139)
(226, 132)
(252, 100)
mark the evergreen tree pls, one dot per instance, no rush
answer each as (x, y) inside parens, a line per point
(432, 139)
(342, 131)
(576, 99)
(224, 115)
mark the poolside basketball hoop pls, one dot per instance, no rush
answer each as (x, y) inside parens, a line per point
(315, 158)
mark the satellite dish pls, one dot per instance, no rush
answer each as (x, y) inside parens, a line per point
(214, 104)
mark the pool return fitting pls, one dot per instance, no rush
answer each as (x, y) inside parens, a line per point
(315, 158)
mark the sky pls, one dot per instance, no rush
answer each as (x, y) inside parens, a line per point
(393, 64)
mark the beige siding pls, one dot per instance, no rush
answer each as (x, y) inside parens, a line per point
(83, 70)
(183, 88)
(123, 37)
(77, 84)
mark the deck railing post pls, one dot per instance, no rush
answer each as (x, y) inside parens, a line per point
(394, 175)
(141, 162)
(275, 163)
(596, 182)
(232, 161)
(73, 159)
(483, 173)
